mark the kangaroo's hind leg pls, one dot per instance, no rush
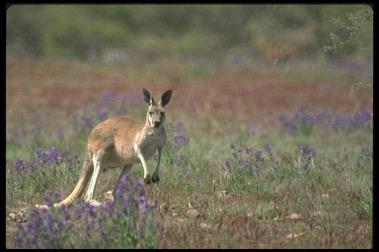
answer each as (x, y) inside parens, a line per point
(98, 161)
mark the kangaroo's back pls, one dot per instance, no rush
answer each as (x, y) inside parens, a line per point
(118, 132)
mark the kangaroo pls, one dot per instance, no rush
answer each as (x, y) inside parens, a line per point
(121, 141)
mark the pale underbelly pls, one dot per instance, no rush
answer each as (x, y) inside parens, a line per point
(148, 152)
(117, 160)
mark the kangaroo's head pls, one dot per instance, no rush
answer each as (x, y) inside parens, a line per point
(155, 113)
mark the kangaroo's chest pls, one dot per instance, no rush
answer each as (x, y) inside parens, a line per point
(150, 142)
(149, 150)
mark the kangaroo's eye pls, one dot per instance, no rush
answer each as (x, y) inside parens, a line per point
(150, 113)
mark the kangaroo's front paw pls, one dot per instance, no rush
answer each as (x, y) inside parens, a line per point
(155, 178)
(147, 179)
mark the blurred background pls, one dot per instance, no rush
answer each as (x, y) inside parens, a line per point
(234, 34)
(246, 62)
(228, 65)
(269, 53)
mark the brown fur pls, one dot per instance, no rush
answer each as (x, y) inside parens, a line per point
(116, 133)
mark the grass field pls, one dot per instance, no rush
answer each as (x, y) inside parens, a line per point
(257, 157)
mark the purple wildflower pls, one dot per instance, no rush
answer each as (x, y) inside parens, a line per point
(51, 197)
(19, 164)
(107, 97)
(25, 167)
(288, 124)
(50, 156)
(304, 120)
(244, 161)
(103, 114)
(126, 204)
(258, 156)
(91, 209)
(86, 121)
(47, 227)
(180, 139)
(78, 212)
(307, 151)
(268, 149)
(123, 185)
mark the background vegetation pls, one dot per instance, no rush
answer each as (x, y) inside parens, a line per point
(270, 125)
(260, 32)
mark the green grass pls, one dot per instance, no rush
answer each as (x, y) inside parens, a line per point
(339, 172)
(332, 199)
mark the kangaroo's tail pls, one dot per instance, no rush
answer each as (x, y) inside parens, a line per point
(85, 175)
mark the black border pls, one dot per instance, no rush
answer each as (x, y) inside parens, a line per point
(9, 3)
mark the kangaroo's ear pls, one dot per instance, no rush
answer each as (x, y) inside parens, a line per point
(166, 96)
(147, 96)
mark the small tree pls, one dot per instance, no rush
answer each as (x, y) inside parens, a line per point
(351, 34)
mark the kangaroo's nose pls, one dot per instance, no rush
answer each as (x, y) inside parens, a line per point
(156, 124)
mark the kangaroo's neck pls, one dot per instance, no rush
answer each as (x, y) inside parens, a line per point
(148, 130)
(151, 136)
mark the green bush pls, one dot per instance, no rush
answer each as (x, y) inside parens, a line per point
(74, 34)
(271, 32)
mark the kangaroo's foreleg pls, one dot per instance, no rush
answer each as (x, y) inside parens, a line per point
(155, 177)
(146, 175)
